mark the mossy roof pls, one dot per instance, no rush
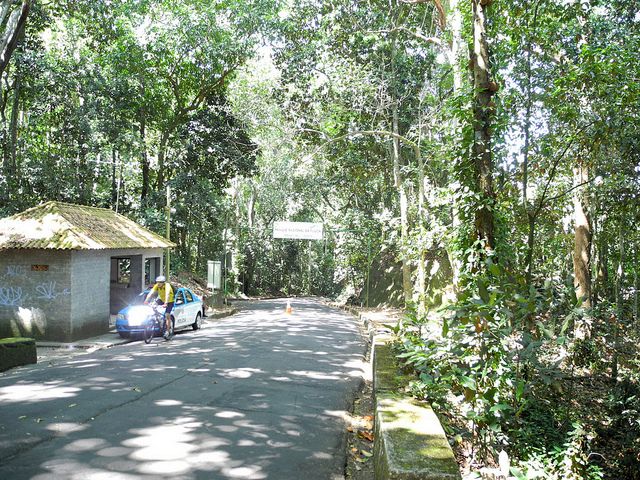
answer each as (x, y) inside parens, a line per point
(65, 226)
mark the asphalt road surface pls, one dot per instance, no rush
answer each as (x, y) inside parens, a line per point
(257, 395)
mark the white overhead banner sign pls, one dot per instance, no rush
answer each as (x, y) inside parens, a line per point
(298, 230)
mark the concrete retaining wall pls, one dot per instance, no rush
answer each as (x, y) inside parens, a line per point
(410, 443)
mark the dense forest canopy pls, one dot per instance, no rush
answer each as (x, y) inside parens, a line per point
(477, 163)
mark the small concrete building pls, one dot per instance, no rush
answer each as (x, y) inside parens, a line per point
(65, 268)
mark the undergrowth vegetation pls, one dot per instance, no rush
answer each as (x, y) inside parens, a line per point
(505, 370)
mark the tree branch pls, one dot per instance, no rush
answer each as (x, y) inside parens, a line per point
(569, 190)
(386, 133)
(207, 90)
(442, 16)
(424, 38)
(543, 199)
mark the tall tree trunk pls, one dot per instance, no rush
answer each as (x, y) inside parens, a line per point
(635, 286)
(182, 244)
(526, 205)
(199, 247)
(186, 239)
(10, 148)
(531, 238)
(120, 189)
(582, 248)
(13, 131)
(619, 309)
(602, 270)
(84, 176)
(144, 159)
(114, 184)
(483, 108)
(407, 287)
(162, 152)
(455, 54)
(456, 44)
(423, 221)
(13, 29)
(251, 205)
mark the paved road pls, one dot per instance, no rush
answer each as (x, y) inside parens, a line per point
(257, 395)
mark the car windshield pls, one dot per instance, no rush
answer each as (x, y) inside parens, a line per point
(139, 300)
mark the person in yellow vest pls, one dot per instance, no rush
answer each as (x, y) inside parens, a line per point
(164, 291)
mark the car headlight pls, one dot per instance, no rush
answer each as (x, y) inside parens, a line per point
(120, 316)
(137, 315)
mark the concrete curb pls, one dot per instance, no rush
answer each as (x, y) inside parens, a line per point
(410, 443)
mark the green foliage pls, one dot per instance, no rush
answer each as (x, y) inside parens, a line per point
(492, 357)
(261, 111)
(121, 100)
(623, 405)
(571, 461)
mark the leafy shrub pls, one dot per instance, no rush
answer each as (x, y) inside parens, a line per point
(571, 461)
(497, 357)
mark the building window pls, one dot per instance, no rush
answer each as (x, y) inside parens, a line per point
(151, 269)
(124, 270)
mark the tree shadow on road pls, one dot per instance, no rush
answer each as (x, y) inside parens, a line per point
(252, 397)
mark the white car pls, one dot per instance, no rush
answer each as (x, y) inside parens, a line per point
(188, 311)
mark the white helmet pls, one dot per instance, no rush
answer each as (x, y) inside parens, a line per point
(161, 278)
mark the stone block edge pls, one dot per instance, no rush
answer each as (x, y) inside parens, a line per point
(15, 352)
(410, 443)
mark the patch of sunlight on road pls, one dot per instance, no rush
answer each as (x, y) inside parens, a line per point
(164, 451)
(229, 414)
(239, 372)
(74, 470)
(168, 403)
(85, 445)
(247, 443)
(87, 365)
(103, 476)
(213, 443)
(66, 427)
(227, 428)
(244, 472)
(316, 375)
(113, 452)
(212, 458)
(275, 444)
(35, 393)
(338, 414)
(322, 455)
(172, 467)
(160, 436)
(157, 368)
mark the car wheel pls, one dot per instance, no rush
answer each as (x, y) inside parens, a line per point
(124, 334)
(198, 323)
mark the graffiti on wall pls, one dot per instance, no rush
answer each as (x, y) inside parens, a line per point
(11, 296)
(32, 300)
(49, 291)
(16, 270)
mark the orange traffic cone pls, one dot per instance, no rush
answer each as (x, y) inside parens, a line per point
(288, 310)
